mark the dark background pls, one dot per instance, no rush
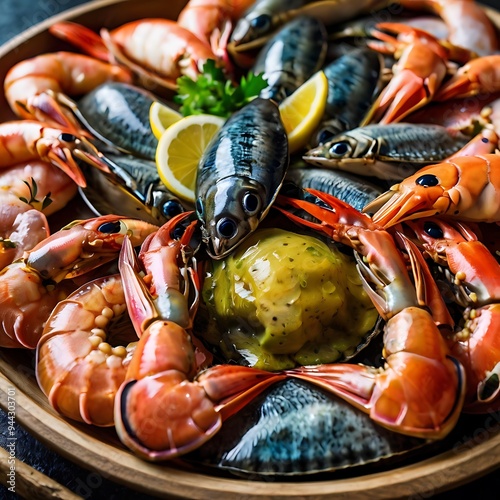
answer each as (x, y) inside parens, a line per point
(16, 16)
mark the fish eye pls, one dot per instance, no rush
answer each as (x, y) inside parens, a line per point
(261, 23)
(226, 228)
(340, 149)
(110, 227)
(251, 203)
(200, 209)
(171, 208)
(433, 230)
(427, 180)
(65, 137)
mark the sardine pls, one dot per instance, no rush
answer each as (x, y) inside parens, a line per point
(391, 152)
(118, 115)
(349, 188)
(239, 175)
(353, 82)
(132, 188)
(266, 16)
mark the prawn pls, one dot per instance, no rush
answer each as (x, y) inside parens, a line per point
(28, 193)
(157, 50)
(32, 286)
(27, 83)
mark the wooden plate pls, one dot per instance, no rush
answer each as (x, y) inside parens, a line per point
(472, 454)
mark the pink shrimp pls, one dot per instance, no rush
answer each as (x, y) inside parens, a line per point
(27, 83)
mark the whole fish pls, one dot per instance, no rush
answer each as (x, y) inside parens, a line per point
(291, 56)
(266, 16)
(240, 174)
(349, 188)
(388, 151)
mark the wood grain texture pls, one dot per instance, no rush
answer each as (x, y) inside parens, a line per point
(31, 483)
(100, 450)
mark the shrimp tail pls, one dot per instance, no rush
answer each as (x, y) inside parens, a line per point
(83, 38)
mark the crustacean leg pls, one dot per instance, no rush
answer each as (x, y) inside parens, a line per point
(162, 410)
(32, 286)
(420, 389)
(475, 285)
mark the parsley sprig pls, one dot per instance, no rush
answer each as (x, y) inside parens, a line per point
(33, 190)
(212, 93)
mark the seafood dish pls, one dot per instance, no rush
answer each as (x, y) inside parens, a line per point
(245, 237)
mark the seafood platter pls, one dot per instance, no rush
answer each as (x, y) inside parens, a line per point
(300, 316)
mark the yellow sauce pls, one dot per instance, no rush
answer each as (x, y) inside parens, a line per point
(284, 299)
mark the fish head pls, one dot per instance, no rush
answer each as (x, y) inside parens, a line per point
(230, 211)
(350, 147)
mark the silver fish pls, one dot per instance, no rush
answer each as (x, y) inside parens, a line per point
(349, 188)
(239, 175)
(132, 188)
(118, 115)
(353, 82)
(266, 16)
(390, 152)
(291, 56)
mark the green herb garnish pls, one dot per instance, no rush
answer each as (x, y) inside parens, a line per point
(213, 94)
(33, 189)
(6, 243)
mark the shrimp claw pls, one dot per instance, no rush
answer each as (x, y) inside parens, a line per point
(420, 390)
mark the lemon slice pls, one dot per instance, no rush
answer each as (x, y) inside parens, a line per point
(161, 117)
(302, 111)
(179, 150)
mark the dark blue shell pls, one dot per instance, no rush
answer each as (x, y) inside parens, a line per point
(296, 428)
(291, 56)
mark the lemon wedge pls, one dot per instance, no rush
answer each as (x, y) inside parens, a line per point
(302, 111)
(161, 117)
(179, 151)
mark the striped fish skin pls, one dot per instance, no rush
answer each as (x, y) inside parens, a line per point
(387, 151)
(240, 174)
(352, 189)
(118, 114)
(353, 82)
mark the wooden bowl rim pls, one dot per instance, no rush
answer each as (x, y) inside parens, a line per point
(449, 469)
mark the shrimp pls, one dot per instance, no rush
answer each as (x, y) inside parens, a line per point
(420, 390)
(26, 140)
(475, 280)
(209, 20)
(28, 193)
(212, 21)
(162, 410)
(79, 366)
(418, 73)
(32, 286)
(158, 50)
(468, 24)
(26, 84)
(478, 76)
(463, 188)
